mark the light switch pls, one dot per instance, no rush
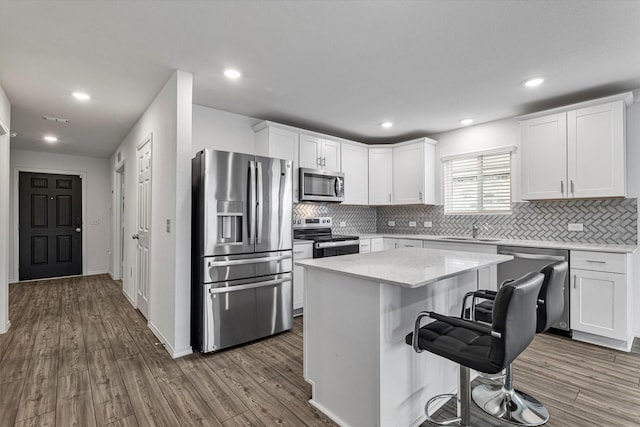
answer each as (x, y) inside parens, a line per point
(343, 223)
(575, 226)
(428, 224)
(412, 224)
(392, 223)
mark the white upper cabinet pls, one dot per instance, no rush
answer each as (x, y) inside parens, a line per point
(380, 176)
(577, 153)
(414, 172)
(355, 166)
(272, 141)
(596, 151)
(319, 153)
(544, 157)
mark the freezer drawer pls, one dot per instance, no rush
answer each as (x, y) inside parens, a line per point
(240, 311)
(234, 267)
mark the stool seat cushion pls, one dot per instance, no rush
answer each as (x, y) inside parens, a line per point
(461, 345)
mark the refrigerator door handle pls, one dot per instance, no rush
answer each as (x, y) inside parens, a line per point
(247, 261)
(226, 289)
(251, 209)
(260, 206)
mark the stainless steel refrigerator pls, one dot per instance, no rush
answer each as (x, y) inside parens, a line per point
(241, 287)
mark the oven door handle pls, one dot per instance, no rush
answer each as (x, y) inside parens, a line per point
(337, 244)
(534, 256)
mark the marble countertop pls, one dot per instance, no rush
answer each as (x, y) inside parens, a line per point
(593, 247)
(407, 267)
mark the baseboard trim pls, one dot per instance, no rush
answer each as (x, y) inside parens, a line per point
(167, 346)
(129, 298)
(621, 345)
(96, 272)
(8, 325)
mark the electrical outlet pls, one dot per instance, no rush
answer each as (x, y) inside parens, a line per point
(412, 224)
(575, 226)
(343, 223)
(392, 223)
(428, 224)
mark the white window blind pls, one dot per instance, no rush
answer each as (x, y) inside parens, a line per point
(478, 184)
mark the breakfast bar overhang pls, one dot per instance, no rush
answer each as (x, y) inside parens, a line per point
(358, 310)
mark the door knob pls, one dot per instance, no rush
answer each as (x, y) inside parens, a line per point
(78, 230)
(135, 236)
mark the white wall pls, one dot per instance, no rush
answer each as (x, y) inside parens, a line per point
(221, 130)
(97, 203)
(168, 120)
(5, 118)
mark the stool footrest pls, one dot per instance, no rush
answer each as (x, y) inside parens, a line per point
(444, 422)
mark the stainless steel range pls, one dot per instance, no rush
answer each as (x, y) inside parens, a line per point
(325, 244)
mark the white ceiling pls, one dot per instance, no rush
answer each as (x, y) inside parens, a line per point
(340, 67)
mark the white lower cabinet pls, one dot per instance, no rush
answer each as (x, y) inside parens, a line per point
(599, 296)
(598, 301)
(409, 243)
(377, 244)
(300, 251)
(365, 245)
(389, 243)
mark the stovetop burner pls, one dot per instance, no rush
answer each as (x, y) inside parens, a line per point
(317, 229)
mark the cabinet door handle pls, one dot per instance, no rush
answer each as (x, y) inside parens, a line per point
(324, 161)
(572, 187)
(319, 161)
(389, 197)
(562, 187)
(420, 195)
(574, 281)
(596, 262)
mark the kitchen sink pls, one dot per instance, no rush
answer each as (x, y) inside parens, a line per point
(470, 239)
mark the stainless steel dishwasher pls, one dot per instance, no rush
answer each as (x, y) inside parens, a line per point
(526, 260)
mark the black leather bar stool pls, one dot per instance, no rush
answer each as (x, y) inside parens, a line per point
(502, 400)
(475, 345)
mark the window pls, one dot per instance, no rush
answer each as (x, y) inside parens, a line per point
(478, 183)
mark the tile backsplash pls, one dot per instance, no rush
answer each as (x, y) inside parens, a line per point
(358, 219)
(606, 221)
(609, 221)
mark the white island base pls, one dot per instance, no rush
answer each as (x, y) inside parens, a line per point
(355, 357)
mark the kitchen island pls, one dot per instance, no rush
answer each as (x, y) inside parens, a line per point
(358, 309)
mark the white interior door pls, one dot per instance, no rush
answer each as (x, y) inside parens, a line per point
(143, 156)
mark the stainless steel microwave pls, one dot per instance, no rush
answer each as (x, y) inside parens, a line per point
(317, 185)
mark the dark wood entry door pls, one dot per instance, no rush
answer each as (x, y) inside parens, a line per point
(50, 225)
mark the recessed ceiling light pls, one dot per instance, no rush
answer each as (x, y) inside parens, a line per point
(533, 82)
(50, 138)
(386, 125)
(81, 96)
(232, 74)
(466, 122)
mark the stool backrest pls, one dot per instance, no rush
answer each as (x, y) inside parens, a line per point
(514, 317)
(551, 297)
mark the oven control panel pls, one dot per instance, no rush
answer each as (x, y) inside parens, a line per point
(317, 222)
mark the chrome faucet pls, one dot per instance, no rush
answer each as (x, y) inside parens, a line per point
(474, 230)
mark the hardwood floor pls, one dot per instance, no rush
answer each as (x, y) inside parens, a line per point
(78, 354)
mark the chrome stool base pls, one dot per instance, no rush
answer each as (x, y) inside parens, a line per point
(510, 405)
